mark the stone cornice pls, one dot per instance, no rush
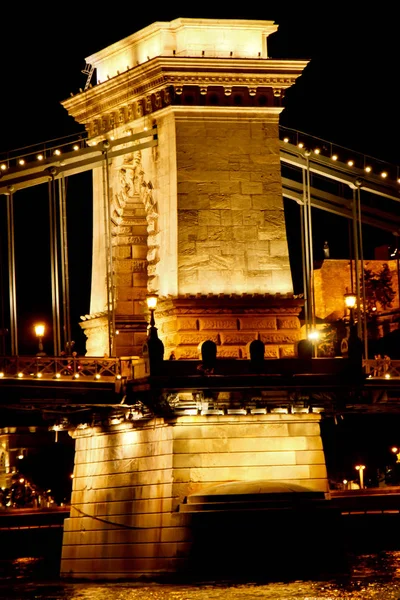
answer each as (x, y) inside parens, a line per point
(162, 73)
(232, 303)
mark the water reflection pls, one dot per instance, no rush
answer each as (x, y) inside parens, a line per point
(372, 576)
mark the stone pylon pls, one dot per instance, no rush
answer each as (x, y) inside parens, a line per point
(198, 217)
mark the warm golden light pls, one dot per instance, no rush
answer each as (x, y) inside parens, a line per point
(313, 335)
(301, 145)
(368, 169)
(151, 301)
(57, 152)
(384, 174)
(20, 374)
(40, 156)
(76, 147)
(394, 449)
(1, 374)
(39, 330)
(360, 469)
(286, 140)
(350, 300)
(317, 151)
(350, 163)
(3, 167)
(334, 157)
(21, 161)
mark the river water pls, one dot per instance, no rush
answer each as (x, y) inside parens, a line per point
(370, 576)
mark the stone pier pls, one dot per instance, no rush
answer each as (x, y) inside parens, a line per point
(130, 480)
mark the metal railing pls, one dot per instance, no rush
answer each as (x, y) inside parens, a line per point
(382, 368)
(65, 368)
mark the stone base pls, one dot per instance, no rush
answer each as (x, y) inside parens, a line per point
(231, 321)
(132, 480)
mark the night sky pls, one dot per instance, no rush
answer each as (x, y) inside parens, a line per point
(348, 95)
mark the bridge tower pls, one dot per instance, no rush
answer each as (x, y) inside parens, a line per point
(197, 218)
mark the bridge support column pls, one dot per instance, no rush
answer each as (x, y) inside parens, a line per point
(130, 480)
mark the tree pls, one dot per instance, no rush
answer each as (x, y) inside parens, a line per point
(378, 288)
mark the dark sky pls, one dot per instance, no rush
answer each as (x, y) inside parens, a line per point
(348, 94)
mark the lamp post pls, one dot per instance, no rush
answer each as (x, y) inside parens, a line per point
(314, 336)
(151, 301)
(153, 347)
(350, 301)
(360, 469)
(39, 331)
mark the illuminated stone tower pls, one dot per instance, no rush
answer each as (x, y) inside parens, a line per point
(198, 217)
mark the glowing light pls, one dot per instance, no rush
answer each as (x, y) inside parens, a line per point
(368, 169)
(387, 376)
(3, 167)
(40, 157)
(384, 174)
(97, 376)
(76, 147)
(21, 161)
(119, 377)
(20, 374)
(313, 335)
(286, 140)
(57, 375)
(317, 151)
(350, 163)
(151, 301)
(39, 375)
(350, 300)
(334, 157)
(57, 152)
(39, 330)
(301, 145)
(1, 374)
(76, 376)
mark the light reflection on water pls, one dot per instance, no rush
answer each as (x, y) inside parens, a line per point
(373, 576)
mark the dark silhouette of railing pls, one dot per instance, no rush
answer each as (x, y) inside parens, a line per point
(65, 368)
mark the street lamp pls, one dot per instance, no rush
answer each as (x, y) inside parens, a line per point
(39, 331)
(360, 469)
(396, 451)
(151, 301)
(350, 301)
(153, 346)
(314, 336)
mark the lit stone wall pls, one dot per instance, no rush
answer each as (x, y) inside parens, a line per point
(231, 225)
(128, 484)
(332, 279)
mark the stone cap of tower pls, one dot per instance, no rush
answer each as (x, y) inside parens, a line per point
(215, 38)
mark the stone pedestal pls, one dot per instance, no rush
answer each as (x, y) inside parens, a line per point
(231, 321)
(130, 480)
